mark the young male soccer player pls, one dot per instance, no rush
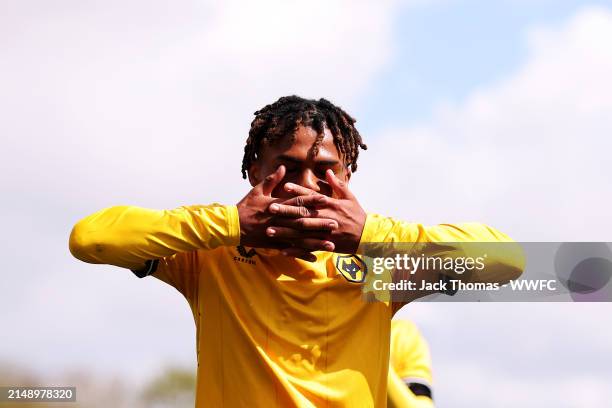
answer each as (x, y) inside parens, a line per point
(409, 381)
(273, 282)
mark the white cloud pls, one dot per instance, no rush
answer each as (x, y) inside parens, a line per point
(489, 387)
(517, 354)
(150, 90)
(148, 103)
(530, 153)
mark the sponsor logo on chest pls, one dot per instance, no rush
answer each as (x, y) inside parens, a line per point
(245, 256)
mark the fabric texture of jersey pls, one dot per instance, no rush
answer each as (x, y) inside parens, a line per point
(272, 331)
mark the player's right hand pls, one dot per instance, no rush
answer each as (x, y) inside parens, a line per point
(256, 220)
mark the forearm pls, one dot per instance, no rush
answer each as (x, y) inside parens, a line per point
(129, 236)
(503, 258)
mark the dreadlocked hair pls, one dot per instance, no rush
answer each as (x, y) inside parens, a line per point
(284, 116)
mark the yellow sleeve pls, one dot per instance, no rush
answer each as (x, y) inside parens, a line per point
(504, 262)
(128, 236)
(410, 362)
(409, 353)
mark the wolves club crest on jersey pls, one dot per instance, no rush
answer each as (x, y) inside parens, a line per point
(352, 268)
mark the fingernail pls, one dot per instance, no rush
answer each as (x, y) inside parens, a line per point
(333, 225)
(329, 246)
(288, 186)
(284, 253)
(274, 208)
(271, 231)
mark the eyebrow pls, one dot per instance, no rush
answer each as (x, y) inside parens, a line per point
(291, 159)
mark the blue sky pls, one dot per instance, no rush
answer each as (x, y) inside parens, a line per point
(443, 50)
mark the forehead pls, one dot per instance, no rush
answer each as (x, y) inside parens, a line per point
(301, 147)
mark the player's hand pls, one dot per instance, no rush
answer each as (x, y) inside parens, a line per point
(297, 214)
(255, 220)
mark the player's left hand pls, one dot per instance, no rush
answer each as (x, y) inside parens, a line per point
(292, 215)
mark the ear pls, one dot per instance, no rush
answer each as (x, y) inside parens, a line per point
(253, 174)
(348, 173)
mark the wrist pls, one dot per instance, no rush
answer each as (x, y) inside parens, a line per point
(359, 229)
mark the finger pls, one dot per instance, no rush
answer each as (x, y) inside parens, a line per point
(311, 244)
(298, 190)
(299, 253)
(311, 200)
(291, 211)
(339, 187)
(273, 180)
(288, 233)
(308, 224)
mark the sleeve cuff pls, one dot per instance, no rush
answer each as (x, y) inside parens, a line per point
(233, 225)
(369, 232)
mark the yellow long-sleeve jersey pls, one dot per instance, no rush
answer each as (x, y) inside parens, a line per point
(409, 365)
(272, 331)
